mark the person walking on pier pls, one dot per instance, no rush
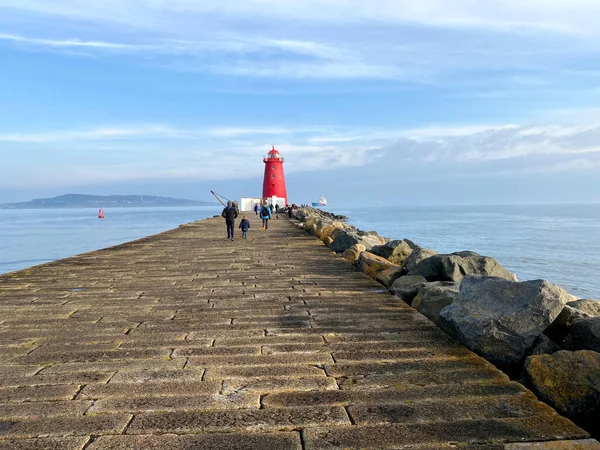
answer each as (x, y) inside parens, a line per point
(265, 215)
(244, 226)
(256, 209)
(230, 214)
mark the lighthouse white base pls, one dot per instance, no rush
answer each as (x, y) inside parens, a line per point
(277, 201)
(247, 203)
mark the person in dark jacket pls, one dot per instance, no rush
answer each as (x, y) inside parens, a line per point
(256, 209)
(244, 226)
(230, 213)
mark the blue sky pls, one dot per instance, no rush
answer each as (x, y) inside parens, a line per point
(402, 101)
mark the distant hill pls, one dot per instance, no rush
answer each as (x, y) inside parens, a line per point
(99, 201)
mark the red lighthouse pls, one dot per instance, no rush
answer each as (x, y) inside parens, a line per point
(274, 182)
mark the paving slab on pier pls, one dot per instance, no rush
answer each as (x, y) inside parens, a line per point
(187, 340)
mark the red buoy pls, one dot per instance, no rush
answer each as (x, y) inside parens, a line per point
(274, 181)
(101, 214)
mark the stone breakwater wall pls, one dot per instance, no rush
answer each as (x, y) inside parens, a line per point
(534, 331)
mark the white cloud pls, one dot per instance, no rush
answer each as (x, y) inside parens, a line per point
(478, 144)
(571, 16)
(158, 151)
(75, 43)
(310, 48)
(333, 139)
(230, 44)
(313, 59)
(576, 164)
(325, 39)
(442, 132)
(192, 163)
(469, 143)
(148, 132)
(233, 131)
(103, 133)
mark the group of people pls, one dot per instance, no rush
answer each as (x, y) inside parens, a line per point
(231, 212)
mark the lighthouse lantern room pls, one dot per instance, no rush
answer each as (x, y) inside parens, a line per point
(274, 182)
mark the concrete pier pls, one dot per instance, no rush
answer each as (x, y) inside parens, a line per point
(186, 340)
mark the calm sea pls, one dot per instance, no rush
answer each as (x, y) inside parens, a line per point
(559, 243)
(30, 237)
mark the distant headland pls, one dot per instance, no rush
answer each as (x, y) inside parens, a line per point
(100, 201)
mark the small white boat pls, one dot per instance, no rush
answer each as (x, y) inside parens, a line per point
(322, 202)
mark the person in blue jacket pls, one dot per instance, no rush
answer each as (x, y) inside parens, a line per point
(265, 215)
(256, 209)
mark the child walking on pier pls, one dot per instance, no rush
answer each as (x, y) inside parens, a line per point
(244, 226)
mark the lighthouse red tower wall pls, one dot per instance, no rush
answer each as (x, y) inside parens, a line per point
(274, 180)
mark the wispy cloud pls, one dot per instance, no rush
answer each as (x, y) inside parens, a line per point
(233, 132)
(150, 132)
(312, 70)
(573, 16)
(229, 44)
(74, 43)
(449, 131)
(191, 162)
(327, 39)
(494, 147)
(103, 133)
(468, 143)
(248, 56)
(476, 144)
